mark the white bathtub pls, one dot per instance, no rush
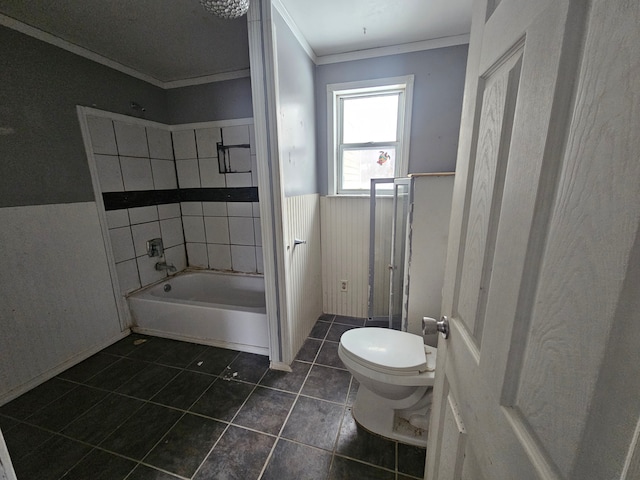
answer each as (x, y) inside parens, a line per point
(220, 309)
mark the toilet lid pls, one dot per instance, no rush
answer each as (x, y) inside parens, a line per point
(385, 350)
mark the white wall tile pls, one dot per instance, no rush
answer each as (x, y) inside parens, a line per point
(188, 173)
(210, 175)
(164, 174)
(142, 233)
(131, 139)
(117, 218)
(240, 160)
(168, 210)
(235, 180)
(197, 255)
(256, 209)
(109, 173)
(243, 258)
(128, 277)
(103, 138)
(147, 270)
(257, 228)
(259, 260)
(252, 139)
(177, 257)
(206, 139)
(159, 141)
(136, 173)
(143, 214)
(240, 209)
(214, 209)
(217, 229)
(171, 232)
(236, 135)
(241, 231)
(184, 144)
(193, 229)
(219, 256)
(191, 208)
(121, 244)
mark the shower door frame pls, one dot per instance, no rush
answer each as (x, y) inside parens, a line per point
(372, 228)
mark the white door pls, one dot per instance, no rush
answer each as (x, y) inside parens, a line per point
(540, 377)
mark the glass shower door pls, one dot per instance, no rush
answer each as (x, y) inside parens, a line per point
(390, 204)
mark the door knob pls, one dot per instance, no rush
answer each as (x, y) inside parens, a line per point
(431, 326)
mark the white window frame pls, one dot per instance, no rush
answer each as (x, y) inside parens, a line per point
(337, 90)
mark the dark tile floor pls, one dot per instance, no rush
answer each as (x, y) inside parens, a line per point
(160, 409)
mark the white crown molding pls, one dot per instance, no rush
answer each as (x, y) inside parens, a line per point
(278, 5)
(73, 48)
(218, 77)
(38, 34)
(394, 49)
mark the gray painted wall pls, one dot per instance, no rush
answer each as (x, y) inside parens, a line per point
(211, 101)
(437, 103)
(297, 115)
(43, 160)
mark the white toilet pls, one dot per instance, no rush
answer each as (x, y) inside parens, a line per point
(396, 372)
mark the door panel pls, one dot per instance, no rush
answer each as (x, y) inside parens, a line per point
(542, 282)
(499, 88)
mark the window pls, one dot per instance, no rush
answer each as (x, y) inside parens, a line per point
(368, 132)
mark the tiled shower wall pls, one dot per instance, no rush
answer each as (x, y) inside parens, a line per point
(219, 235)
(143, 157)
(131, 158)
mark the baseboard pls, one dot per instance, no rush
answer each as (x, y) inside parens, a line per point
(49, 374)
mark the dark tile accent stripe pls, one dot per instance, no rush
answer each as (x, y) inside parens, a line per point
(145, 198)
(140, 198)
(238, 194)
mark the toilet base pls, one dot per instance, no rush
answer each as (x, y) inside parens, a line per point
(372, 413)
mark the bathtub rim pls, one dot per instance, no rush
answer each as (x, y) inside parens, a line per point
(187, 271)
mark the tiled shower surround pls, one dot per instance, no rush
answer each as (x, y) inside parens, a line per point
(150, 408)
(137, 160)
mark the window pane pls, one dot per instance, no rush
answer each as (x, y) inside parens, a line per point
(359, 166)
(370, 119)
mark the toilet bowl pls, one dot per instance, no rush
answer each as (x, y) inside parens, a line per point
(396, 373)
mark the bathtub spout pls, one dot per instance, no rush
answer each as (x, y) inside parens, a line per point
(163, 266)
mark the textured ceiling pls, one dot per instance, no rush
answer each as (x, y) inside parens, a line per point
(340, 26)
(172, 40)
(165, 39)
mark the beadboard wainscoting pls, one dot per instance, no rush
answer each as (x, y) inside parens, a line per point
(304, 267)
(56, 301)
(345, 254)
(345, 225)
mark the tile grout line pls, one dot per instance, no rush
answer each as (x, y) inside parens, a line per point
(149, 401)
(293, 405)
(230, 421)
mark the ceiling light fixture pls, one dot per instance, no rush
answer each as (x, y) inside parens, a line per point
(227, 9)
